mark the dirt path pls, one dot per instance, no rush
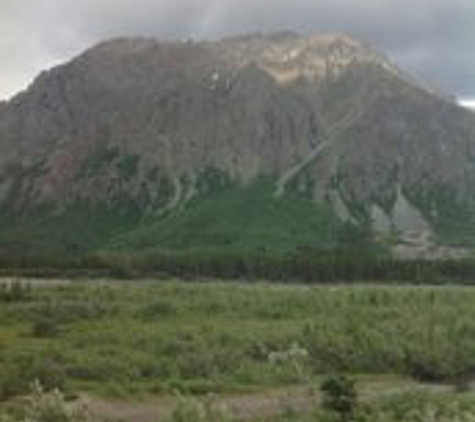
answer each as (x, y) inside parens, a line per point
(241, 407)
(244, 407)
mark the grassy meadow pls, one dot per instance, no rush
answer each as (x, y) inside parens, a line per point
(128, 338)
(133, 340)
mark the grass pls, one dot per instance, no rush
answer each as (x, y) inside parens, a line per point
(226, 218)
(239, 219)
(120, 338)
(406, 407)
(73, 233)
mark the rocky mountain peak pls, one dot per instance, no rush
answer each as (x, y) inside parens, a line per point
(287, 56)
(159, 124)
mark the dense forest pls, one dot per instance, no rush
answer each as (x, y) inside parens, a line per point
(305, 266)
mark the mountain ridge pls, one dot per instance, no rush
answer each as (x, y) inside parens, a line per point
(154, 127)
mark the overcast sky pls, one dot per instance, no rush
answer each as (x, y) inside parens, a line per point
(432, 38)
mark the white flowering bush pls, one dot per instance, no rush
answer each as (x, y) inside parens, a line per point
(43, 406)
(295, 358)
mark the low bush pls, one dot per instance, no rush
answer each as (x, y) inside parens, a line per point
(43, 406)
(339, 396)
(20, 371)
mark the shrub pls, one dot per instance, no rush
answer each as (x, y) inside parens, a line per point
(41, 406)
(420, 407)
(20, 371)
(157, 310)
(15, 291)
(426, 369)
(45, 327)
(191, 409)
(339, 396)
(294, 360)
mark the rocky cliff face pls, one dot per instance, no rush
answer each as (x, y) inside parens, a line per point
(156, 124)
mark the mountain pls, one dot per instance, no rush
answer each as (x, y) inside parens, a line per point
(267, 143)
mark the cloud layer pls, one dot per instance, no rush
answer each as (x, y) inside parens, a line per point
(432, 38)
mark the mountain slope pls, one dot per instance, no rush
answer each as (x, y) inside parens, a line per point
(158, 142)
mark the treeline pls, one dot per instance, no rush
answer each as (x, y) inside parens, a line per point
(324, 268)
(316, 267)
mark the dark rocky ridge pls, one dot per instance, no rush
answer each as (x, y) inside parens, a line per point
(324, 115)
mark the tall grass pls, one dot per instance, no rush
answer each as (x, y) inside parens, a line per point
(126, 338)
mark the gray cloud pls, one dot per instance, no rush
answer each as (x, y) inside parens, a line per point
(432, 38)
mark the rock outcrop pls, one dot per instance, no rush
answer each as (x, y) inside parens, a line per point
(323, 115)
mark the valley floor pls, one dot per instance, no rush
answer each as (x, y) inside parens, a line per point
(268, 404)
(135, 351)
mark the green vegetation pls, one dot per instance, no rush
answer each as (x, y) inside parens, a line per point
(220, 233)
(243, 220)
(45, 238)
(407, 407)
(403, 407)
(227, 231)
(42, 406)
(450, 216)
(124, 338)
(339, 396)
(413, 406)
